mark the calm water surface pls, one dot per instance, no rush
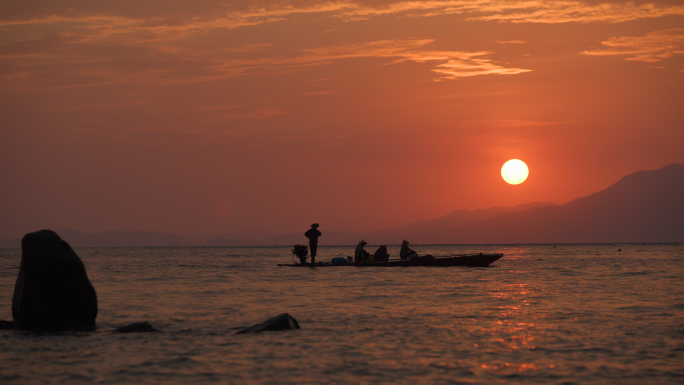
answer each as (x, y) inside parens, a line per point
(572, 314)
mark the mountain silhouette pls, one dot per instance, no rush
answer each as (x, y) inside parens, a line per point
(441, 228)
(646, 206)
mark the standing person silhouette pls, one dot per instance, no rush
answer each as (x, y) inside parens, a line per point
(313, 235)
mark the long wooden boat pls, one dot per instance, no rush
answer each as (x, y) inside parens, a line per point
(471, 260)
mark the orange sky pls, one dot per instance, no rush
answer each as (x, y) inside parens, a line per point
(209, 116)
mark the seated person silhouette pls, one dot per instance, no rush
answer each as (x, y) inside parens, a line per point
(406, 253)
(381, 254)
(361, 255)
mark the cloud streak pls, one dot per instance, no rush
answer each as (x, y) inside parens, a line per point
(106, 22)
(651, 48)
(554, 12)
(449, 64)
(70, 65)
(510, 42)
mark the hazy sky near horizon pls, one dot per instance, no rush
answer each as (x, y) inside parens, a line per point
(215, 116)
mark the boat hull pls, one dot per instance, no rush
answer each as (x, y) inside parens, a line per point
(471, 260)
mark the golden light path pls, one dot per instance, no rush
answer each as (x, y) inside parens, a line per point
(514, 171)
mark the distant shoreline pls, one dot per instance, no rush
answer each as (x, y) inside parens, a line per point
(370, 244)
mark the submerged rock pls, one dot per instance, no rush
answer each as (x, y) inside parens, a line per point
(137, 327)
(52, 291)
(279, 322)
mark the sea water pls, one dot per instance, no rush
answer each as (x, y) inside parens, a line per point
(588, 314)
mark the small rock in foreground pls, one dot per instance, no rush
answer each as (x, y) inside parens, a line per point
(137, 327)
(280, 322)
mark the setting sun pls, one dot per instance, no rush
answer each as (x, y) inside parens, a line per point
(514, 171)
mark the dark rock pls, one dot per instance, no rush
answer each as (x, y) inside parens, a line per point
(52, 292)
(137, 327)
(5, 325)
(280, 322)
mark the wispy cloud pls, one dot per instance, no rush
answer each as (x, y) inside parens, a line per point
(473, 64)
(564, 11)
(449, 64)
(515, 11)
(652, 47)
(85, 65)
(510, 42)
(164, 25)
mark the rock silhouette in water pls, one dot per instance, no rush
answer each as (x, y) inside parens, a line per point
(52, 291)
(137, 327)
(280, 322)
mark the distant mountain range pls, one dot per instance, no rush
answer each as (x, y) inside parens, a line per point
(646, 206)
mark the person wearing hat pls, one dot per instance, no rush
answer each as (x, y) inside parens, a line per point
(360, 254)
(405, 252)
(313, 235)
